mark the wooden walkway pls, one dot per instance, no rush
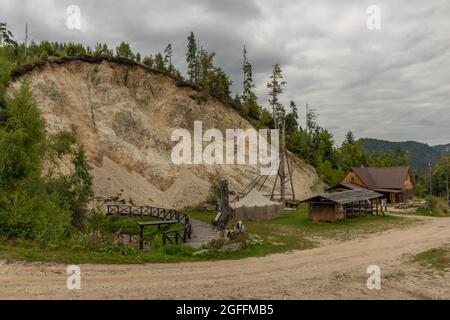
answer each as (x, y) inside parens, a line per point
(202, 233)
(170, 216)
(194, 233)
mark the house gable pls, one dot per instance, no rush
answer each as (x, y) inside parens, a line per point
(352, 177)
(395, 178)
(409, 184)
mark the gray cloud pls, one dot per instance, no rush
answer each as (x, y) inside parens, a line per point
(393, 83)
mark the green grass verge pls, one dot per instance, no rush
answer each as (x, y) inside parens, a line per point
(438, 208)
(438, 258)
(296, 224)
(291, 232)
(432, 213)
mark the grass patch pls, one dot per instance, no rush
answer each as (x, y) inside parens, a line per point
(437, 207)
(291, 232)
(24, 251)
(296, 223)
(433, 213)
(438, 258)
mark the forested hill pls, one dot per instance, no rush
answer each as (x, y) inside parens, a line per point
(420, 153)
(442, 148)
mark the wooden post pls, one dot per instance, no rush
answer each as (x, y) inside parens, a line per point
(26, 39)
(290, 177)
(224, 205)
(141, 238)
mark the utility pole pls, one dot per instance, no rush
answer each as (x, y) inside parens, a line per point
(282, 171)
(245, 74)
(307, 113)
(26, 39)
(430, 171)
(447, 170)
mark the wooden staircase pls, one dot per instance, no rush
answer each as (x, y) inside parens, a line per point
(202, 233)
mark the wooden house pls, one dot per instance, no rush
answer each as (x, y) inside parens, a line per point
(330, 207)
(395, 184)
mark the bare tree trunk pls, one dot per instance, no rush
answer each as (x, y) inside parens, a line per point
(224, 205)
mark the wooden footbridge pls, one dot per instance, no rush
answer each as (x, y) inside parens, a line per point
(167, 216)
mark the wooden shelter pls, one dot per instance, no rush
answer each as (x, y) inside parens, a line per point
(395, 184)
(330, 207)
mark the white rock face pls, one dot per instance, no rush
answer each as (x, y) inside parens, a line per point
(125, 116)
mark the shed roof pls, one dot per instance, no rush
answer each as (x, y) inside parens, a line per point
(350, 186)
(382, 178)
(345, 197)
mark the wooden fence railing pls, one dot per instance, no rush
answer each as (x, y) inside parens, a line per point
(178, 236)
(181, 235)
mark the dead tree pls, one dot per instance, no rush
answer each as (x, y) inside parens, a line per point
(224, 205)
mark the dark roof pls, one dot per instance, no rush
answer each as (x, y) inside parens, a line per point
(345, 197)
(388, 190)
(382, 178)
(350, 186)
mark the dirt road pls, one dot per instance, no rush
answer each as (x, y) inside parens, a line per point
(333, 271)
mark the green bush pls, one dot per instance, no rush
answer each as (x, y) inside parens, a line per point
(176, 250)
(33, 217)
(123, 250)
(214, 192)
(216, 244)
(432, 202)
(97, 221)
(35, 206)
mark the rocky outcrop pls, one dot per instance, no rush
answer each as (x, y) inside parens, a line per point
(125, 115)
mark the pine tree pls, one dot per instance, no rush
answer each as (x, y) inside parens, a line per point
(249, 98)
(99, 50)
(168, 58)
(311, 120)
(124, 51)
(349, 138)
(401, 158)
(248, 77)
(6, 36)
(22, 139)
(192, 59)
(276, 86)
(159, 63)
(292, 118)
(148, 61)
(206, 69)
(81, 186)
(238, 102)
(220, 83)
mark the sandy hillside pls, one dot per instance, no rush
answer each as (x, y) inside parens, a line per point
(125, 115)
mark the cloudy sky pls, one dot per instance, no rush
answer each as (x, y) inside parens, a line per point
(392, 83)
